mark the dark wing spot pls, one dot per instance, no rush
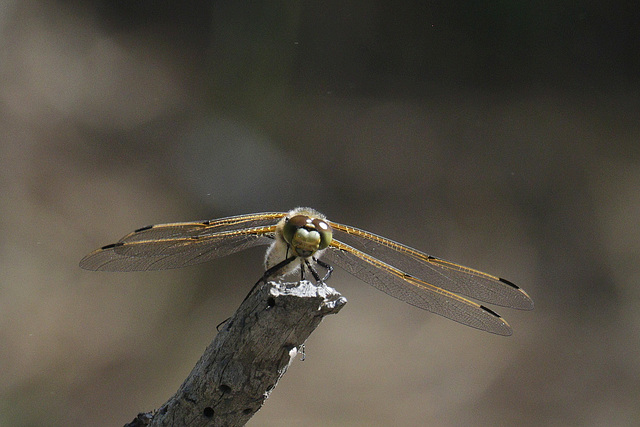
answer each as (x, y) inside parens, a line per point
(148, 227)
(490, 311)
(113, 245)
(506, 282)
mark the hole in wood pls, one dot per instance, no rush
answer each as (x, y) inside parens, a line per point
(208, 412)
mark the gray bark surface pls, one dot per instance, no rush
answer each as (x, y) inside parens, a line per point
(247, 358)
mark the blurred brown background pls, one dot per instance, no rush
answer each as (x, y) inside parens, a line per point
(501, 135)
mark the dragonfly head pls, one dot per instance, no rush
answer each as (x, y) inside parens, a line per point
(307, 235)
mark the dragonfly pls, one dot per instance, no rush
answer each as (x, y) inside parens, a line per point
(298, 238)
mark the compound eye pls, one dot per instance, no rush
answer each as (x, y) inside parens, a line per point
(292, 225)
(326, 233)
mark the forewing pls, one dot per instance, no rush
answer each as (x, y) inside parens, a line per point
(413, 290)
(161, 254)
(202, 228)
(438, 272)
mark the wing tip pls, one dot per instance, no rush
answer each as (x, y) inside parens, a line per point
(86, 263)
(526, 302)
(504, 329)
(83, 264)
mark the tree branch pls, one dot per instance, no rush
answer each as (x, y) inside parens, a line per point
(247, 358)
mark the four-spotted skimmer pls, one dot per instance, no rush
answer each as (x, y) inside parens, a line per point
(298, 238)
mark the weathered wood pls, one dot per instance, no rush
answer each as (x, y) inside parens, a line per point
(247, 358)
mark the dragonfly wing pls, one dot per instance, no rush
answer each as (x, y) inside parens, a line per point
(414, 291)
(202, 228)
(443, 274)
(161, 254)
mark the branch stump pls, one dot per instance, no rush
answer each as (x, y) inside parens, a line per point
(245, 361)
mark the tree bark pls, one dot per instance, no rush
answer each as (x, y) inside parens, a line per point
(247, 358)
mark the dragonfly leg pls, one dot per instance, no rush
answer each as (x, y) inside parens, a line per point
(301, 351)
(222, 323)
(313, 271)
(263, 279)
(266, 276)
(270, 272)
(327, 267)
